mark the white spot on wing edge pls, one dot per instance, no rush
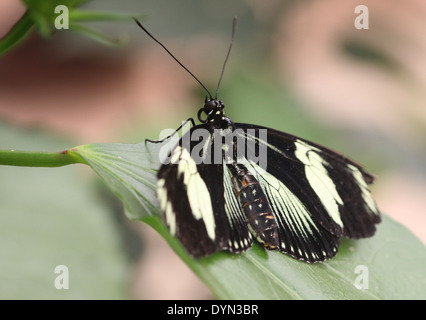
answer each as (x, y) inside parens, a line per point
(166, 206)
(171, 218)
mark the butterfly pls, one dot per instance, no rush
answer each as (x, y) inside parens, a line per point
(226, 184)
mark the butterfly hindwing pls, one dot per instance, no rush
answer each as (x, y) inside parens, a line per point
(300, 235)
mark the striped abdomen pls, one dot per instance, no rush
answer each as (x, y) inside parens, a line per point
(254, 203)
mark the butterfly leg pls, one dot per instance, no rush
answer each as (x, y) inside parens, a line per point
(180, 127)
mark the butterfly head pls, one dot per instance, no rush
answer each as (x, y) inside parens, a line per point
(213, 108)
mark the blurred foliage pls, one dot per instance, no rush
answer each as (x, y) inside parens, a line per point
(367, 53)
(42, 15)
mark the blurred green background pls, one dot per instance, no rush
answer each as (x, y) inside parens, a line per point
(300, 67)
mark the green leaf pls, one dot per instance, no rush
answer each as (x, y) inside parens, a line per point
(391, 264)
(390, 270)
(129, 170)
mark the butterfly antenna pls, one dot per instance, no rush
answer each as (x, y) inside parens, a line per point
(153, 38)
(234, 23)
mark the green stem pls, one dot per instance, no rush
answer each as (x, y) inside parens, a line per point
(39, 159)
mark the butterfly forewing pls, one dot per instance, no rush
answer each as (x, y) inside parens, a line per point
(333, 189)
(198, 201)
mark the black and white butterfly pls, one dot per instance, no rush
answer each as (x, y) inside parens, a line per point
(301, 201)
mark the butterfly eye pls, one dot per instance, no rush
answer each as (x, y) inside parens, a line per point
(210, 105)
(208, 108)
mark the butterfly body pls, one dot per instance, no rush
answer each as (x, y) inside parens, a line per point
(255, 205)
